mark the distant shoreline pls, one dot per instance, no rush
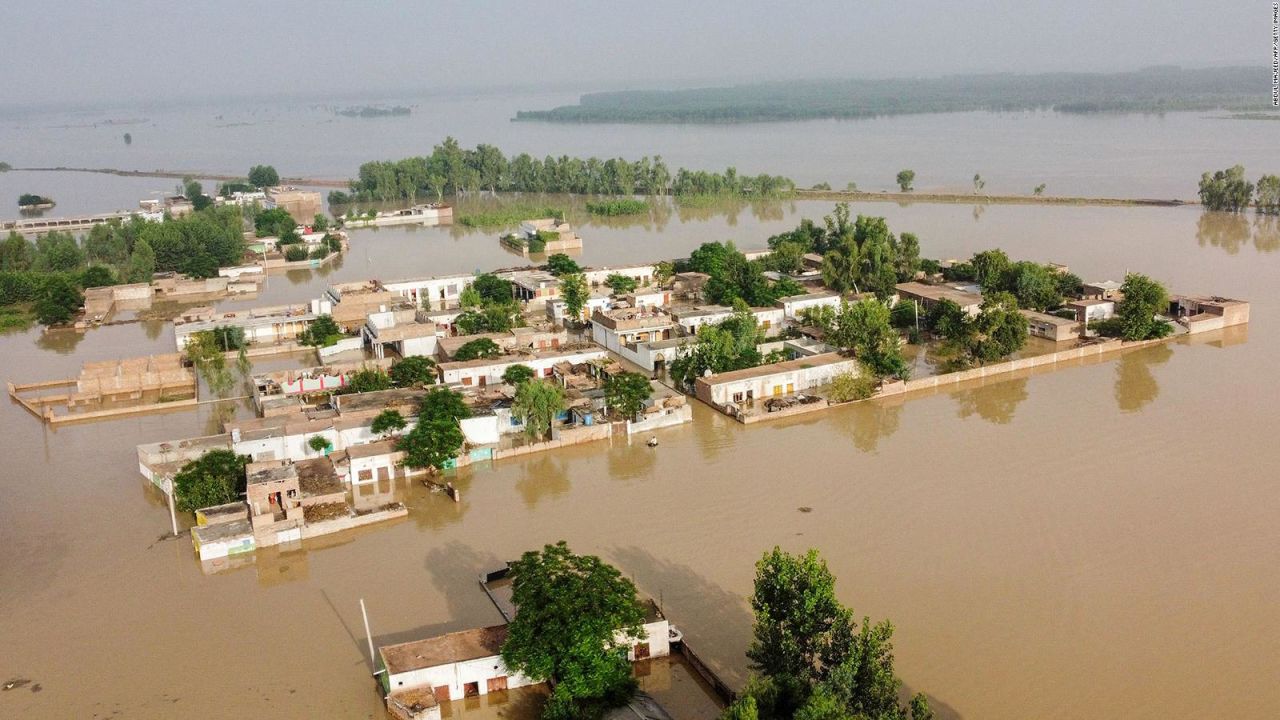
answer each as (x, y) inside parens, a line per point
(984, 199)
(314, 182)
(799, 193)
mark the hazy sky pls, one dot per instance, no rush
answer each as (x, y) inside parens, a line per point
(146, 50)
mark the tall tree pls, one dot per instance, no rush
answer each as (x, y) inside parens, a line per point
(1138, 311)
(797, 616)
(537, 403)
(573, 289)
(263, 176)
(864, 327)
(214, 478)
(626, 392)
(576, 617)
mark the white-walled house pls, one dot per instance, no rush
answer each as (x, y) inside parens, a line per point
(442, 291)
(488, 371)
(785, 378)
(794, 304)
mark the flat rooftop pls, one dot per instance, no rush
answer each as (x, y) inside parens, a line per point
(444, 649)
(782, 367)
(939, 292)
(378, 399)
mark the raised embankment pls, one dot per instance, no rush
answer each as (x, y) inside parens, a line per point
(982, 199)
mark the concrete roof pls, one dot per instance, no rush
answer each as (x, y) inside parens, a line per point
(775, 368)
(939, 292)
(1047, 318)
(444, 649)
(810, 296)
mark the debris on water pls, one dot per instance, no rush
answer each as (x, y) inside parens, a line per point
(805, 509)
(36, 688)
(16, 683)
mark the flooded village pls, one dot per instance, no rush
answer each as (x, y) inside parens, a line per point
(718, 364)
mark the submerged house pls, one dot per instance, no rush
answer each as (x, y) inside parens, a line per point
(733, 390)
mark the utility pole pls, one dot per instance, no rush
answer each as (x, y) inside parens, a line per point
(173, 514)
(369, 636)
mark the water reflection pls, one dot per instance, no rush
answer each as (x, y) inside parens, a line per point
(541, 478)
(63, 342)
(1266, 233)
(1135, 385)
(631, 459)
(1229, 231)
(995, 403)
(867, 423)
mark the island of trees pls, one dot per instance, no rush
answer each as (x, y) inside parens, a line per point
(29, 201)
(1157, 89)
(451, 169)
(1229, 191)
(373, 111)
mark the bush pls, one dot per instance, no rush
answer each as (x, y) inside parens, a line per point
(295, 253)
(850, 386)
(320, 253)
(58, 301)
(478, 348)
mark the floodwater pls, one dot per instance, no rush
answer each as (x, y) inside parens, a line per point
(1098, 541)
(1103, 155)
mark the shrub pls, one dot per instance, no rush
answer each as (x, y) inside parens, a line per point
(849, 386)
(295, 253)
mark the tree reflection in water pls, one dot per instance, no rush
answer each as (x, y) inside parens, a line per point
(1135, 385)
(869, 422)
(1229, 231)
(995, 403)
(1266, 233)
(544, 476)
(61, 341)
(632, 459)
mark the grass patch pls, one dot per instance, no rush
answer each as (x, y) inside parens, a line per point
(621, 206)
(508, 215)
(16, 317)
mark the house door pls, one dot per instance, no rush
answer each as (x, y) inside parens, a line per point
(496, 684)
(791, 387)
(441, 692)
(470, 689)
(641, 651)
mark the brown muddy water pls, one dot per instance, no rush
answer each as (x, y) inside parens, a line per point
(1098, 541)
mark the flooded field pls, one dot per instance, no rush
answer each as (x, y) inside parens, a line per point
(1094, 542)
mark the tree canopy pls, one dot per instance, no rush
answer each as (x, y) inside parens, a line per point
(573, 289)
(537, 403)
(478, 348)
(1226, 190)
(864, 327)
(559, 264)
(626, 392)
(388, 421)
(576, 618)
(431, 443)
(517, 374)
(413, 371)
(215, 478)
(322, 332)
(262, 176)
(441, 403)
(815, 661)
(727, 345)
(1144, 299)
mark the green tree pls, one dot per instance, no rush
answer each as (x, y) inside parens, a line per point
(663, 272)
(517, 374)
(1036, 286)
(620, 284)
(262, 176)
(537, 403)
(295, 253)
(366, 379)
(1144, 299)
(1038, 190)
(388, 422)
(142, 262)
(626, 392)
(413, 371)
(478, 348)
(560, 264)
(1001, 329)
(905, 179)
(322, 332)
(319, 223)
(320, 444)
(990, 268)
(573, 289)
(1226, 190)
(493, 288)
(470, 297)
(228, 337)
(431, 444)
(16, 253)
(58, 301)
(798, 619)
(1268, 201)
(97, 276)
(864, 327)
(443, 404)
(577, 618)
(215, 478)
(978, 183)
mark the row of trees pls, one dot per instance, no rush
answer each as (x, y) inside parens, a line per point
(1229, 191)
(451, 169)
